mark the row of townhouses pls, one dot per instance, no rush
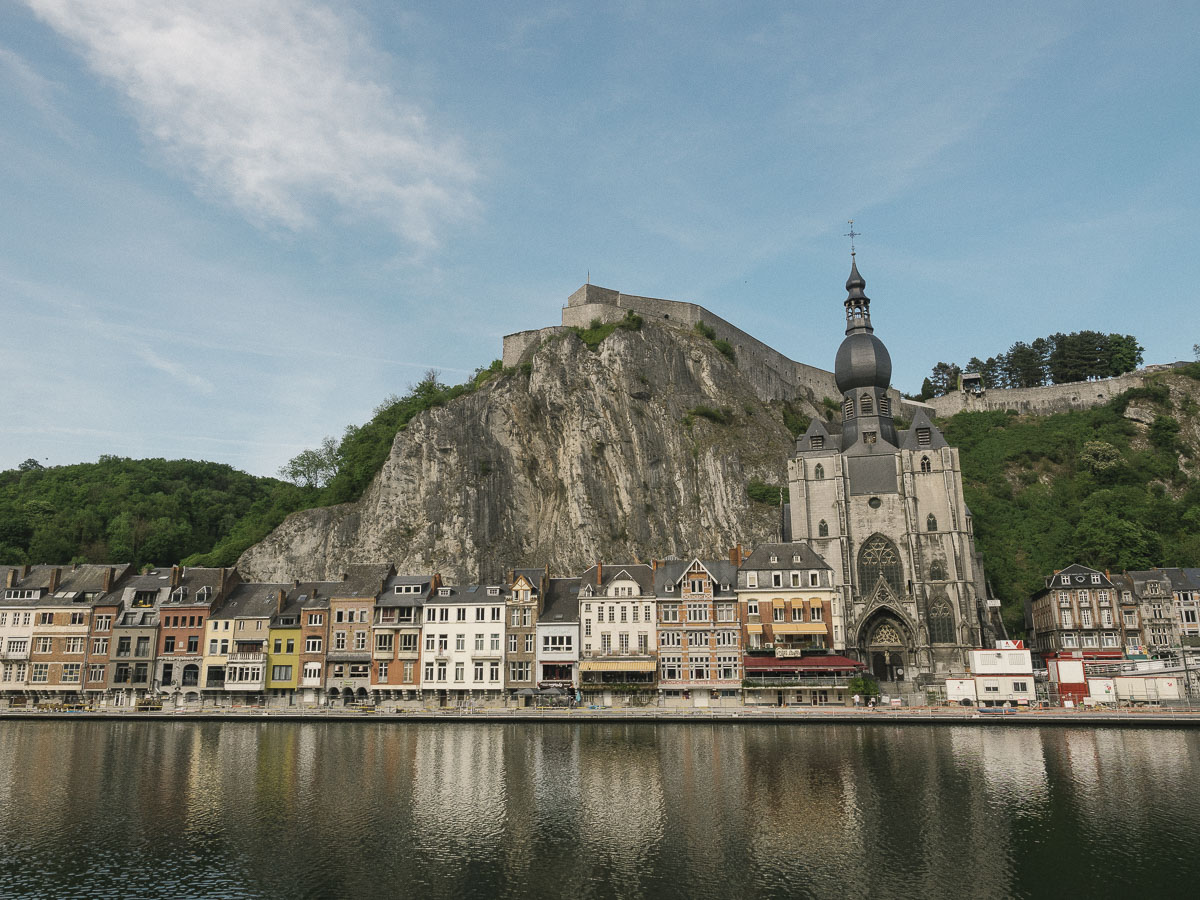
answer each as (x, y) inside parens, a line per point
(761, 627)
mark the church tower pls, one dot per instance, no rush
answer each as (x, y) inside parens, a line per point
(885, 508)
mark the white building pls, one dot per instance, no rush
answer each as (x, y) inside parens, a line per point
(1002, 675)
(463, 644)
(557, 663)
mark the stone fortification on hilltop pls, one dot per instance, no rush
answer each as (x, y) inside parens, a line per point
(772, 375)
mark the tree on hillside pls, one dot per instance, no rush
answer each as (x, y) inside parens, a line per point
(944, 378)
(312, 468)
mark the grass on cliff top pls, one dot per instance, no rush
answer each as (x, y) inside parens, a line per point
(597, 331)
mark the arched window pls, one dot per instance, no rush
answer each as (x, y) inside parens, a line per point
(819, 472)
(926, 465)
(937, 570)
(941, 621)
(866, 406)
(878, 558)
(931, 522)
(823, 529)
(191, 675)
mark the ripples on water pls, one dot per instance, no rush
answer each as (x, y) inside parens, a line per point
(233, 809)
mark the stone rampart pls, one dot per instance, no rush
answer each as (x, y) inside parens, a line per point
(1042, 401)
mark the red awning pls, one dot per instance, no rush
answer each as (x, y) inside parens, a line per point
(801, 664)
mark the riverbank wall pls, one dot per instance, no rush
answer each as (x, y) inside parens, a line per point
(1156, 718)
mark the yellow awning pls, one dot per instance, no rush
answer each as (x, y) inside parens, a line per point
(798, 628)
(754, 629)
(617, 665)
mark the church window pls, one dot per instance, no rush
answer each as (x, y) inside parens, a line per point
(823, 529)
(926, 465)
(937, 570)
(819, 472)
(817, 442)
(941, 622)
(923, 439)
(878, 559)
(865, 405)
(931, 522)
(848, 408)
(887, 634)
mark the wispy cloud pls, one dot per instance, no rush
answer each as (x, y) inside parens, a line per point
(271, 105)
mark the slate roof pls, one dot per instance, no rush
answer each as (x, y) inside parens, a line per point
(252, 600)
(761, 557)
(74, 582)
(562, 602)
(389, 598)
(193, 579)
(908, 438)
(362, 581)
(467, 593)
(1081, 577)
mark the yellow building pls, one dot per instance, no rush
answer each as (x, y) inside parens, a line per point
(283, 655)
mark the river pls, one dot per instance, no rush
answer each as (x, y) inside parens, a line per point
(239, 809)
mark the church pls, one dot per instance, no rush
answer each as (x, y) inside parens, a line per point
(884, 507)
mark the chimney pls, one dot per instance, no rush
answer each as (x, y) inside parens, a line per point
(107, 582)
(221, 577)
(280, 601)
(512, 576)
(654, 565)
(174, 577)
(25, 570)
(11, 579)
(55, 574)
(599, 573)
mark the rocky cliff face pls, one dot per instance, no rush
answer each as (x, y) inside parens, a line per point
(602, 454)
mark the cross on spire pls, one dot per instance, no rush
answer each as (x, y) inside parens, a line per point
(852, 234)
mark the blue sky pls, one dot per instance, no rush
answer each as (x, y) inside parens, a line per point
(229, 229)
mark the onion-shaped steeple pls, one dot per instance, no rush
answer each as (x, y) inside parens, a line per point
(863, 372)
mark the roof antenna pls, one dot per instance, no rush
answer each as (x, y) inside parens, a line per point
(852, 234)
(589, 276)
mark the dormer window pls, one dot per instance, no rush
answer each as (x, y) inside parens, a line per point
(923, 440)
(795, 557)
(1096, 578)
(670, 588)
(443, 592)
(493, 592)
(774, 559)
(817, 442)
(1065, 579)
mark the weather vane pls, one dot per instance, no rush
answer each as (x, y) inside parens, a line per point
(852, 234)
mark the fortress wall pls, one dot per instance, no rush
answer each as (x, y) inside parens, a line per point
(1052, 398)
(517, 345)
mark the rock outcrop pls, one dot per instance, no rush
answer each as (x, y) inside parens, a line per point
(643, 447)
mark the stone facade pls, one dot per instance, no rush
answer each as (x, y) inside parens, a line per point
(885, 509)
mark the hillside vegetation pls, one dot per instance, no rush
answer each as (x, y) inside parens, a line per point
(1114, 487)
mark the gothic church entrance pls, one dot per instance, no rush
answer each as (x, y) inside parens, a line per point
(886, 651)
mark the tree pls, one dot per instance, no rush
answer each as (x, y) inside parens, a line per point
(944, 378)
(30, 465)
(314, 468)
(1100, 457)
(927, 390)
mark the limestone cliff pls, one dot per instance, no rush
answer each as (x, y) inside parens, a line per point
(589, 455)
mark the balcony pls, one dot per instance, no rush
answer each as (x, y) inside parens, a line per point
(14, 655)
(311, 682)
(384, 653)
(243, 657)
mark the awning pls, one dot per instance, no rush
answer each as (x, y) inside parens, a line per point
(754, 629)
(798, 628)
(617, 665)
(816, 663)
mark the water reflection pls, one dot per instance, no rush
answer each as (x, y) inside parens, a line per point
(632, 810)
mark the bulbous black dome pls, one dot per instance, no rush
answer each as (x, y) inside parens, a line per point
(862, 362)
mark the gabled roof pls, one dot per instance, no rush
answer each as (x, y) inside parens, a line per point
(389, 596)
(467, 593)
(1080, 575)
(639, 573)
(361, 581)
(783, 553)
(910, 440)
(722, 572)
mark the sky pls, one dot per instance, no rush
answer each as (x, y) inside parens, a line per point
(229, 229)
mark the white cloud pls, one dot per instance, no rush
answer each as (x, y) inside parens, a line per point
(271, 104)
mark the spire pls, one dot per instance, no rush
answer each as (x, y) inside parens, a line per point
(858, 304)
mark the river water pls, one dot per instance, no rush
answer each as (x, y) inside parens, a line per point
(233, 809)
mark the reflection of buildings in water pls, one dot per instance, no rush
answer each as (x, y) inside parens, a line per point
(621, 803)
(1011, 761)
(1126, 776)
(704, 780)
(458, 786)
